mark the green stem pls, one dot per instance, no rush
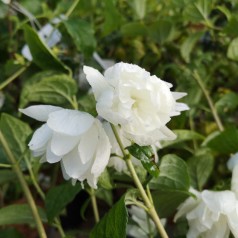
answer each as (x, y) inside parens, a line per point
(72, 7)
(94, 205)
(25, 188)
(42, 195)
(149, 205)
(5, 166)
(14, 76)
(209, 100)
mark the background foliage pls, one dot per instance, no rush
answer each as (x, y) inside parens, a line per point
(192, 44)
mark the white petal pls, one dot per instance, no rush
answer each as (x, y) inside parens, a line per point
(70, 122)
(178, 95)
(103, 152)
(50, 156)
(74, 166)
(40, 138)
(222, 201)
(65, 175)
(232, 162)
(233, 221)
(39, 112)
(234, 181)
(88, 144)
(62, 144)
(96, 80)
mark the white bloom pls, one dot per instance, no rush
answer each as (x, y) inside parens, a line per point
(145, 226)
(141, 104)
(75, 138)
(212, 214)
(232, 165)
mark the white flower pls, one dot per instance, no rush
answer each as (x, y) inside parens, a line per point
(141, 104)
(211, 214)
(144, 226)
(116, 159)
(232, 165)
(75, 138)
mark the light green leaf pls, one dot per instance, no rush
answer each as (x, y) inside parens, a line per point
(198, 11)
(58, 197)
(146, 156)
(48, 87)
(82, 34)
(232, 52)
(188, 45)
(105, 180)
(41, 54)
(161, 31)
(19, 214)
(139, 7)
(182, 136)
(16, 134)
(200, 168)
(230, 27)
(225, 11)
(113, 224)
(225, 142)
(171, 186)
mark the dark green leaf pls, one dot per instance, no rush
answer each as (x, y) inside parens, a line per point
(48, 87)
(10, 233)
(82, 34)
(225, 142)
(232, 52)
(87, 103)
(228, 102)
(146, 155)
(113, 224)
(200, 168)
(58, 197)
(41, 54)
(16, 134)
(171, 186)
(19, 214)
(134, 29)
(6, 176)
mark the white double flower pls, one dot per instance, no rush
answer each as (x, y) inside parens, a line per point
(141, 104)
(74, 138)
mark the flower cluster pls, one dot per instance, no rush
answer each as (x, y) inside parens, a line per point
(213, 213)
(138, 104)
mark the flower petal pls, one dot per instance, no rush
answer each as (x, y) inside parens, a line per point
(39, 112)
(62, 144)
(50, 156)
(232, 162)
(40, 138)
(70, 122)
(96, 80)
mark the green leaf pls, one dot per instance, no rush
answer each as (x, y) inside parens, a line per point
(6, 176)
(171, 186)
(41, 54)
(200, 168)
(16, 134)
(230, 28)
(232, 52)
(197, 11)
(58, 197)
(228, 102)
(82, 34)
(139, 7)
(182, 136)
(48, 87)
(10, 233)
(133, 29)
(225, 11)
(105, 180)
(113, 18)
(19, 214)
(87, 103)
(225, 142)
(188, 45)
(113, 224)
(146, 156)
(161, 31)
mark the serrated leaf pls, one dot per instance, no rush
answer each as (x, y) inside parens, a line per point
(188, 45)
(82, 34)
(16, 133)
(161, 31)
(146, 156)
(171, 186)
(58, 197)
(48, 87)
(232, 52)
(41, 54)
(200, 168)
(19, 214)
(182, 136)
(113, 224)
(225, 142)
